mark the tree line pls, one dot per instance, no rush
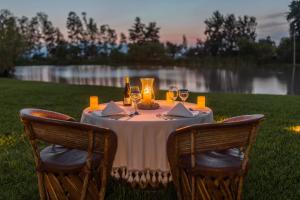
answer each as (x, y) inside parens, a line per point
(37, 40)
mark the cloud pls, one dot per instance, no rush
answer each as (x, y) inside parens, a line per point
(271, 24)
(274, 15)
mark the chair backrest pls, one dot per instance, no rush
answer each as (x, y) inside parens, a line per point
(46, 114)
(56, 128)
(238, 132)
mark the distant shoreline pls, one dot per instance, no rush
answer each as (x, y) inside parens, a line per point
(211, 62)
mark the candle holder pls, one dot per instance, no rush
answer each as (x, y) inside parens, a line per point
(201, 102)
(148, 96)
(94, 103)
(170, 97)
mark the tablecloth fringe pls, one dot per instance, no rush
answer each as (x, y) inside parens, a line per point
(142, 178)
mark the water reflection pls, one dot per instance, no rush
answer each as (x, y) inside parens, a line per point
(196, 80)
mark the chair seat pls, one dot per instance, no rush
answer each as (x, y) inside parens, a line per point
(59, 159)
(227, 162)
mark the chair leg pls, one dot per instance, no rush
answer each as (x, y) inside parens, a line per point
(240, 188)
(41, 186)
(193, 188)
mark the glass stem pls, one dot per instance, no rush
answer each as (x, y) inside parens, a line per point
(135, 107)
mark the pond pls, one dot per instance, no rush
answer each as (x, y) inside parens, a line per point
(255, 81)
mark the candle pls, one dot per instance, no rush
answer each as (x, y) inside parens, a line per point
(94, 103)
(201, 102)
(169, 97)
(147, 96)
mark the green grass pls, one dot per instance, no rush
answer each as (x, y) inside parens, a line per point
(275, 158)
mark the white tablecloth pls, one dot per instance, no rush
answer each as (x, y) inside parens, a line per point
(141, 154)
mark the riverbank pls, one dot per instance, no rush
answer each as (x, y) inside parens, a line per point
(211, 62)
(274, 164)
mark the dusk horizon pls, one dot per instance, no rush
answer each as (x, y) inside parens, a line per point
(174, 23)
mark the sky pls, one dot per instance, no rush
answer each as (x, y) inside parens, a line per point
(175, 17)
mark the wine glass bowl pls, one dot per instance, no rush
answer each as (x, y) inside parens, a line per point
(183, 94)
(174, 90)
(135, 95)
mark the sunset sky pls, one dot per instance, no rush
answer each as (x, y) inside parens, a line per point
(175, 17)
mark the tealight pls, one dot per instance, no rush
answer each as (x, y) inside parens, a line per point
(94, 103)
(295, 129)
(201, 102)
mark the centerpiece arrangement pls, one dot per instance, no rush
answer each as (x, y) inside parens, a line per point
(143, 97)
(148, 95)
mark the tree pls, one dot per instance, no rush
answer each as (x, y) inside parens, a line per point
(60, 52)
(152, 33)
(12, 44)
(230, 35)
(123, 47)
(184, 42)
(75, 34)
(123, 38)
(294, 17)
(172, 49)
(25, 29)
(214, 33)
(51, 36)
(34, 36)
(137, 32)
(91, 36)
(284, 50)
(247, 48)
(198, 50)
(90, 32)
(120, 54)
(75, 28)
(265, 50)
(246, 28)
(108, 37)
(246, 35)
(148, 52)
(227, 35)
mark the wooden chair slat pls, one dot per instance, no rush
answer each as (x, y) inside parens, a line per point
(53, 194)
(73, 185)
(57, 186)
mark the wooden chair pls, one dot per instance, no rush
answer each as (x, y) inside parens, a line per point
(210, 161)
(79, 164)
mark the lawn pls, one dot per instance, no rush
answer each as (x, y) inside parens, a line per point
(275, 158)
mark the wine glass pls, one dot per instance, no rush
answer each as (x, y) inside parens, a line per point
(184, 95)
(174, 90)
(135, 95)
